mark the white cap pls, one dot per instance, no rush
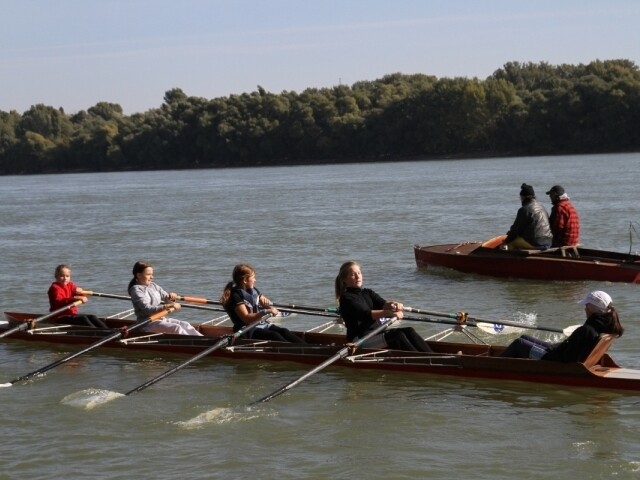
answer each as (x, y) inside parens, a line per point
(599, 299)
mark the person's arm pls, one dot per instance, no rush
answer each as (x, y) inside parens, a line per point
(265, 303)
(355, 310)
(248, 317)
(518, 226)
(169, 299)
(77, 293)
(392, 308)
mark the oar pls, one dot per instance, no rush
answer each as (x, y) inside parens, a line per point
(179, 297)
(26, 324)
(477, 322)
(322, 312)
(223, 342)
(309, 309)
(184, 298)
(342, 353)
(105, 295)
(120, 333)
(313, 311)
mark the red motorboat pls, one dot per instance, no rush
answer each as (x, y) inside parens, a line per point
(564, 263)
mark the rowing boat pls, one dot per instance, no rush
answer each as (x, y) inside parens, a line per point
(456, 359)
(564, 263)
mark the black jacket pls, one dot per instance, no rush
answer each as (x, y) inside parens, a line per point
(580, 343)
(355, 309)
(532, 224)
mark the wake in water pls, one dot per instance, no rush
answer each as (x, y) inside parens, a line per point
(221, 416)
(90, 398)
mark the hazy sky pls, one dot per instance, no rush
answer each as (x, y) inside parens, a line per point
(75, 53)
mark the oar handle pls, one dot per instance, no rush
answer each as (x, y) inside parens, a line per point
(185, 298)
(162, 313)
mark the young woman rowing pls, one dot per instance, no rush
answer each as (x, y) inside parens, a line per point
(245, 304)
(362, 309)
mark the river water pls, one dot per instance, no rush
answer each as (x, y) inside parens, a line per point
(296, 226)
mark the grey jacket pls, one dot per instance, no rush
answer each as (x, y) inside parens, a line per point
(532, 224)
(147, 299)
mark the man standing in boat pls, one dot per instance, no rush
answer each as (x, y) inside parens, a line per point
(564, 219)
(531, 229)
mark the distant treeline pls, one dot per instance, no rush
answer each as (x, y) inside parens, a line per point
(522, 109)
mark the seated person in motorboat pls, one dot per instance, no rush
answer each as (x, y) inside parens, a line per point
(564, 219)
(531, 229)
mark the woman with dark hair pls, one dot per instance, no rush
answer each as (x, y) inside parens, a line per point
(362, 309)
(245, 304)
(602, 317)
(148, 297)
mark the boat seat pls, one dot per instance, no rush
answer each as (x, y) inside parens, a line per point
(604, 342)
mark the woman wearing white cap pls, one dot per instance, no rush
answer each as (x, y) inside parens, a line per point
(602, 317)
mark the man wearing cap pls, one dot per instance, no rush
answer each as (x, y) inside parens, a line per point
(564, 219)
(531, 229)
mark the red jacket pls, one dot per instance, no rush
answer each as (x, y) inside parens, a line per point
(565, 224)
(62, 295)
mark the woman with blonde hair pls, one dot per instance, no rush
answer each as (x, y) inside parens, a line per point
(362, 309)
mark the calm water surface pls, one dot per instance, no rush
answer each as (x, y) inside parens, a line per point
(296, 226)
